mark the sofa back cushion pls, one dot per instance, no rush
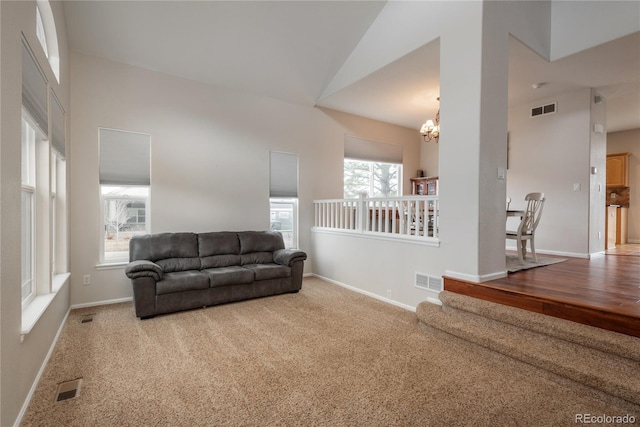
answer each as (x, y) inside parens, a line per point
(171, 251)
(215, 261)
(218, 249)
(218, 243)
(260, 241)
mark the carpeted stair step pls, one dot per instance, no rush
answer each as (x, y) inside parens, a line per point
(608, 341)
(608, 372)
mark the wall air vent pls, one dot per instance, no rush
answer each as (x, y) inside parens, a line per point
(544, 109)
(429, 283)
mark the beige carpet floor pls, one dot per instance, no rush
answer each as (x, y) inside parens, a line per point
(323, 357)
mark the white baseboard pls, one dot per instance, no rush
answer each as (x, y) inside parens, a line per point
(36, 381)
(367, 293)
(476, 278)
(98, 303)
(558, 253)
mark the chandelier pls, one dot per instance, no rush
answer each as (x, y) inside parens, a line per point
(431, 130)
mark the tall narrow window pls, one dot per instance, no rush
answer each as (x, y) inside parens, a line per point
(47, 35)
(28, 210)
(58, 214)
(40, 34)
(124, 190)
(283, 196)
(44, 268)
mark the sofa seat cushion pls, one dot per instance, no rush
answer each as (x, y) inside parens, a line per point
(225, 276)
(215, 261)
(181, 281)
(269, 271)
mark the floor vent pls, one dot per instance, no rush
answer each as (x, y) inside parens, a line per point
(68, 390)
(86, 318)
(429, 283)
(544, 109)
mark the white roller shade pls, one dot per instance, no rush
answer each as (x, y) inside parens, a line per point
(34, 90)
(124, 157)
(57, 125)
(364, 149)
(283, 178)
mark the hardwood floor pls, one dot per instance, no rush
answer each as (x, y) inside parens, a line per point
(629, 249)
(603, 291)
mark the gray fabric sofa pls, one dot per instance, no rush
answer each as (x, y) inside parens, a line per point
(180, 271)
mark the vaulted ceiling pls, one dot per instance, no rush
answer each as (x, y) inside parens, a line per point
(292, 50)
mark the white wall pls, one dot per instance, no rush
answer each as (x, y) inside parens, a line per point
(579, 25)
(20, 362)
(550, 154)
(209, 157)
(381, 267)
(629, 142)
(597, 180)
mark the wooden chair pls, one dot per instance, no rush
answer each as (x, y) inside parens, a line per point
(528, 224)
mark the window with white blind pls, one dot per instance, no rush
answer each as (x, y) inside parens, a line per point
(372, 168)
(125, 179)
(283, 196)
(43, 253)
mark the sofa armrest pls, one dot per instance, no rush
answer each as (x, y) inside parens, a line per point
(144, 268)
(287, 256)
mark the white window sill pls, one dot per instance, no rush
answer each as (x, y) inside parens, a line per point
(36, 308)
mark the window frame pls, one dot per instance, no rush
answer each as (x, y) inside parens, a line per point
(28, 249)
(31, 137)
(293, 201)
(41, 34)
(58, 214)
(371, 178)
(104, 198)
(47, 35)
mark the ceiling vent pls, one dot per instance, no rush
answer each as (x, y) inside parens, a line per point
(544, 109)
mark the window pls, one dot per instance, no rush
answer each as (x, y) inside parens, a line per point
(28, 210)
(376, 179)
(283, 196)
(58, 186)
(284, 218)
(43, 253)
(371, 167)
(42, 38)
(124, 191)
(58, 213)
(125, 213)
(47, 35)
